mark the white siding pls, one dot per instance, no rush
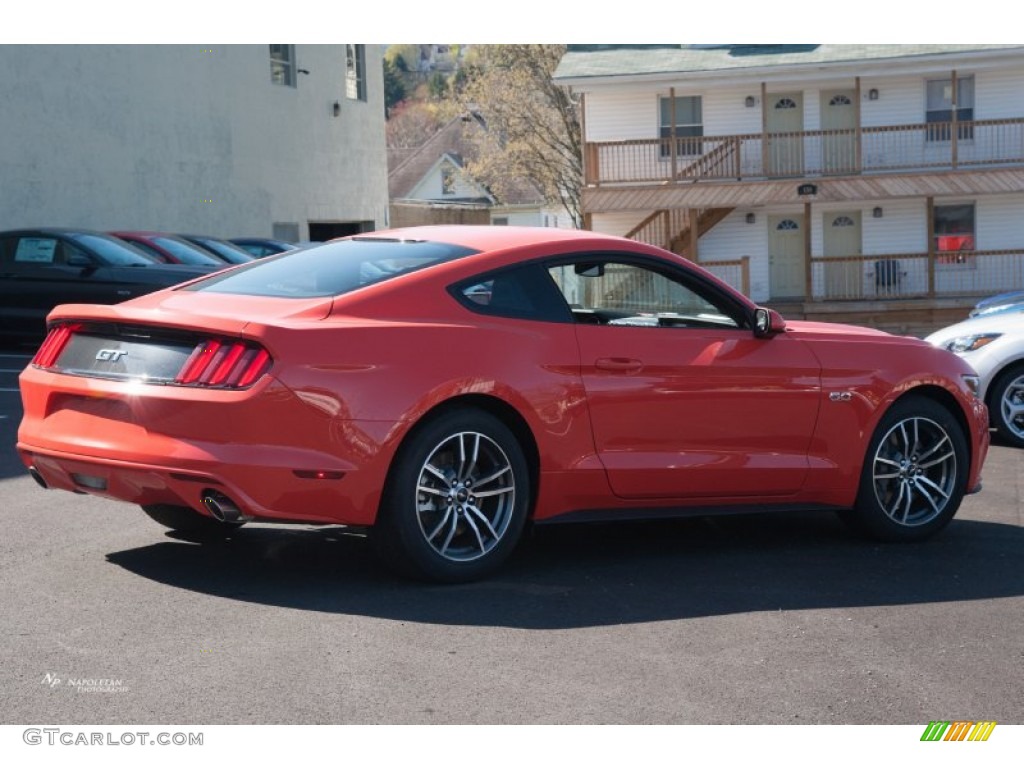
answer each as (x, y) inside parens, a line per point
(431, 188)
(187, 137)
(519, 218)
(999, 94)
(733, 238)
(999, 222)
(617, 223)
(619, 115)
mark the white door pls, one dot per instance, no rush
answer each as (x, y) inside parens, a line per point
(786, 256)
(785, 123)
(839, 132)
(842, 239)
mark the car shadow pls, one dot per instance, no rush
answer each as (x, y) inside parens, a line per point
(575, 576)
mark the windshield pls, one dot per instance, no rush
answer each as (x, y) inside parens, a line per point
(114, 252)
(331, 269)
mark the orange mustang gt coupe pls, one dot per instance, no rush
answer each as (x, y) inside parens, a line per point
(443, 386)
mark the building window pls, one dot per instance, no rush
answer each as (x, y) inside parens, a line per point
(447, 179)
(689, 125)
(939, 113)
(954, 234)
(355, 72)
(282, 65)
(500, 221)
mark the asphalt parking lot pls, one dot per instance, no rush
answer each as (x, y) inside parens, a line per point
(746, 620)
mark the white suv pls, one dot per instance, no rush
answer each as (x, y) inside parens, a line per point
(994, 346)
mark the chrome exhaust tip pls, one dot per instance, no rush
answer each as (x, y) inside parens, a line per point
(38, 477)
(222, 508)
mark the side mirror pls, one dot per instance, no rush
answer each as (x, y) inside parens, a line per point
(79, 260)
(767, 322)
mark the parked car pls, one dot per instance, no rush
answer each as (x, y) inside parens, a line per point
(41, 268)
(442, 386)
(1012, 301)
(993, 345)
(220, 248)
(262, 246)
(171, 249)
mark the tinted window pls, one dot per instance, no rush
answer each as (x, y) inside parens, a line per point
(112, 251)
(524, 292)
(185, 253)
(331, 269)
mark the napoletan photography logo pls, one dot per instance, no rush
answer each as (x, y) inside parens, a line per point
(958, 730)
(84, 684)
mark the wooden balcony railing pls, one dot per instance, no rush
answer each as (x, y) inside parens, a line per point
(736, 272)
(910, 275)
(924, 146)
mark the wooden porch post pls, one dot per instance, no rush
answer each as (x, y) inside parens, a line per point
(764, 128)
(588, 222)
(858, 134)
(931, 246)
(694, 215)
(808, 277)
(672, 132)
(955, 128)
(589, 155)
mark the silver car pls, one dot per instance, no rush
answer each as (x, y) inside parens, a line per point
(994, 346)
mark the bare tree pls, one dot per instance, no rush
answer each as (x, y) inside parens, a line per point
(533, 124)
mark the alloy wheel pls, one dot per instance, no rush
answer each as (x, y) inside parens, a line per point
(914, 471)
(465, 496)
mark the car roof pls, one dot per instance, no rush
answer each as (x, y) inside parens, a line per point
(487, 237)
(55, 231)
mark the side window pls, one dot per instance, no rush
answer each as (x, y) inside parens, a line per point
(523, 292)
(621, 293)
(36, 250)
(149, 250)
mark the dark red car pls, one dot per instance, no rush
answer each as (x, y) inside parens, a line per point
(443, 386)
(171, 249)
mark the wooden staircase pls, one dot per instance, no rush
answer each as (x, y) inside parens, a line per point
(671, 229)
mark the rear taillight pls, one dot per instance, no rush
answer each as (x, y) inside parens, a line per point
(54, 344)
(223, 364)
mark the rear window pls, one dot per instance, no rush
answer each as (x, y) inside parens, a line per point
(331, 269)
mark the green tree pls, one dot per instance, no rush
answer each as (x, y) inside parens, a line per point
(438, 86)
(394, 87)
(533, 124)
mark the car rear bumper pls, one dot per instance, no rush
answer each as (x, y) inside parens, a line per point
(272, 454)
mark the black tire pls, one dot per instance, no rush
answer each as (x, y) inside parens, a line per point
(1005, 393)
(188, 520)
(914, 474)
(456, 499)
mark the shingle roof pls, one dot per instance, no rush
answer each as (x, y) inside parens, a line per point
(591, 61)
(451, 141)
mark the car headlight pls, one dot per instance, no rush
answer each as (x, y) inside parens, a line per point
(971, 343)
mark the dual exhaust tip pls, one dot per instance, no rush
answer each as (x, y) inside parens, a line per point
(37, 477)
(216, 503)
(222, 508)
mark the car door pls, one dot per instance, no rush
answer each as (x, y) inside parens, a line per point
(43, 270)
(685, 402)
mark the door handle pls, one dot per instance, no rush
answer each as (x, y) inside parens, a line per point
(619, 364)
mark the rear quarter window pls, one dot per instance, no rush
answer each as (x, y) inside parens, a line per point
(331, 269)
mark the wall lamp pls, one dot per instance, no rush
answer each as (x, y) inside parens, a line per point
(877, 213)
(750, 101)
(873, 94)
(336, 109)
(751, 218)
